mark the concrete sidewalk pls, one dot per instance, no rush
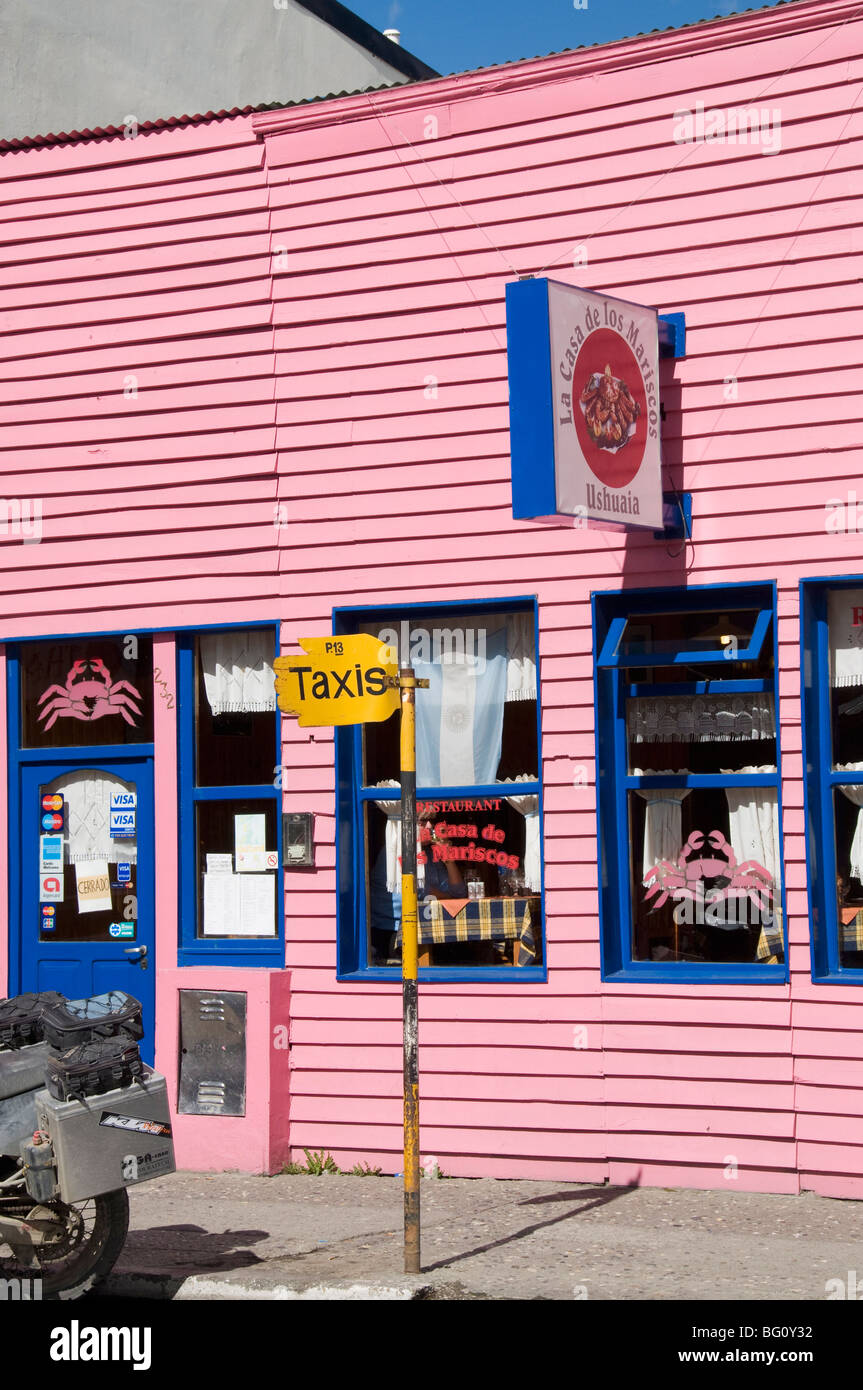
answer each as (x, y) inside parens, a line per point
(236, 1236)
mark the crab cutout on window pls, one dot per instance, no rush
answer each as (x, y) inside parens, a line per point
(709, 878)
(88, 694)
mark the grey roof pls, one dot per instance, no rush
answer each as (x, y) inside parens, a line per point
(327, 10)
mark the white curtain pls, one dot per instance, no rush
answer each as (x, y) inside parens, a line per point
(238, 671)
(88, 818)
(663, 820)
(700, 718)
(520, 657)
(845, 636)
(753, 813)
(855, 796)
(528, 805)
(393, 842)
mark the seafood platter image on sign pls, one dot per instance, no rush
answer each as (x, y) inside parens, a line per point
(584, 405)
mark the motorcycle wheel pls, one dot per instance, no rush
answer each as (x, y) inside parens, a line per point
(83, 1249)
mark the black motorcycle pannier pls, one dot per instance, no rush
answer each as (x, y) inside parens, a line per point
(71, 1022)
(92, 1068)
(21, 1018)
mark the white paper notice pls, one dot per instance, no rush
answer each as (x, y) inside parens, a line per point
(239, 904)
(220, 863)
(94, 886)
(258, 905)
(250, 842)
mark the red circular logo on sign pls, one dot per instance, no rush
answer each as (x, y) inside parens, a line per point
(47, 910)
(52, 802)
(609, 407)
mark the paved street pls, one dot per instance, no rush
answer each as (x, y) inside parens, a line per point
(208, 1236)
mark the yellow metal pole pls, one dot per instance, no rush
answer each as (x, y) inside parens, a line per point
(407, 685)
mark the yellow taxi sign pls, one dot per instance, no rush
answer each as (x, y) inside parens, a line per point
(340, 680)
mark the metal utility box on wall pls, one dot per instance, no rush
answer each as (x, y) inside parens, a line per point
(212, 1052)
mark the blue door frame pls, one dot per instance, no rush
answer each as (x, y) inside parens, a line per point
(80, 968)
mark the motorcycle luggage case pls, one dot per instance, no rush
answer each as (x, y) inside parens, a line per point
(23, 1070)
(71, 1021)
(109, 1141)
(21, 1017)
(92, 1068)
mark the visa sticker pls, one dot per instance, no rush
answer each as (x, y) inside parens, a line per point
(122, 823)
(124, 873)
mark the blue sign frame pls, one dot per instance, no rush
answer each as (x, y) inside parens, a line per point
(531, 427)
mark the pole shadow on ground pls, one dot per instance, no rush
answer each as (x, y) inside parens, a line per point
(590, 1198)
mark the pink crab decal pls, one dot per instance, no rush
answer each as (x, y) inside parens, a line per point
(698, 875)
(88, 694)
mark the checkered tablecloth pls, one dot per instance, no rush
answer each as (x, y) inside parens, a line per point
(851, 928)
(770, 942)
(483, 919)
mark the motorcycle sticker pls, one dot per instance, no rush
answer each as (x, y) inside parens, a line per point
(115, 1121)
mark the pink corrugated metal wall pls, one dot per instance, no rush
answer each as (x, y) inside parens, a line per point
(136, 395)
(289, 306)
(401, 218)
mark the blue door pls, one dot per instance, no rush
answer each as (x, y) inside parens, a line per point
(87, 884)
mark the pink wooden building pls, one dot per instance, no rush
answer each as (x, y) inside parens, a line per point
(254, 384)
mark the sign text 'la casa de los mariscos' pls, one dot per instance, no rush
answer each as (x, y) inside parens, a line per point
(584, 405)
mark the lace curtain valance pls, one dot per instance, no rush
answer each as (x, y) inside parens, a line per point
(700, 718)
(238, 671)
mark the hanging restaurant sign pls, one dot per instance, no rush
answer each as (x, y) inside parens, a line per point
(584, 404)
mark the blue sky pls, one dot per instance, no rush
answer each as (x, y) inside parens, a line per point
(452, 35)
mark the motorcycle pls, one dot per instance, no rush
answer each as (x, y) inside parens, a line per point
(82, 1119)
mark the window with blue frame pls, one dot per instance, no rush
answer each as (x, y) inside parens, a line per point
(688, 784)
(229, 799)
(478, 797)
(832, 644)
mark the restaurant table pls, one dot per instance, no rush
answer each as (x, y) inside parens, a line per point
(851, 928)
(478, 919)
(770, 942)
